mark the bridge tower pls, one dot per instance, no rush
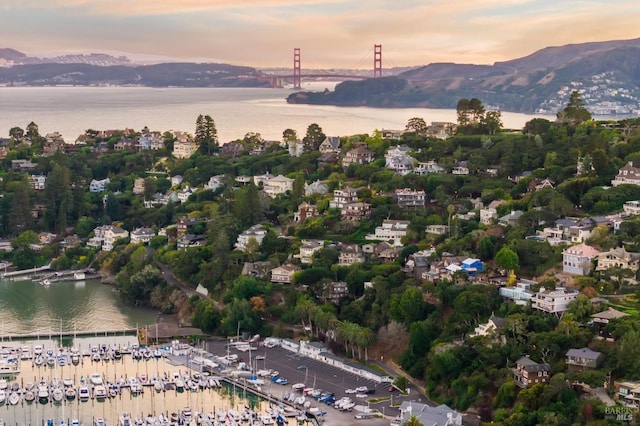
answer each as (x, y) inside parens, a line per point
(377, 60)
(296, 68)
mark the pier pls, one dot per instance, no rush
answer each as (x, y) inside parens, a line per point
(25, 271)
(51, 334)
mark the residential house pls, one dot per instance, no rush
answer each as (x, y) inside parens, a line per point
(627, 175)
(256, 269)
(350, 254)
(488, 215)
(437, 229)
(410, 198)
(330, 144)
(418, 263)
(142, 235)
(38, 182)
(472, 266)
(185, 193)
(283, 274)
(261, 180)
(244, 180)
(600, 320)
(553, 301)
(510, 219)
(617, 258)
(520, 294)
(176, 180)
(389, 254)
(305, 211)
(184, 147)
(441, 415)
(490, 328)
(307, 250)
(441, 129)
(528, 372)
(111, 236)
(390, 230)
(342, 197)
(358, 155)
(577, 260)
(399, 160)
(278, 185)
(391, 134)
(355, 211)
(335, 291)
(214, 183)
(328, 158)
(138, 186)
(423, 169)
(231, 149)
(185, 225)
(256, 232)
(190, 240)
(22, 165)
(627, 393)
(543, 184)
(316, 187)
(295, 148)
(583, 359)
(125, 144)
(99, 185)
(460, 168)
(632, 208)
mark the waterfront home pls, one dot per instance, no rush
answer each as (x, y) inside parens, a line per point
(284, 274)
(105, 237)
(577, 260)
(528, 372)
(553, 301)
(583, 359)
(330, 144)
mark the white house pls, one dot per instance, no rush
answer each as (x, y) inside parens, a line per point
(316, 187)
(342, 197)
(184, 148)
(632, 207)
(215, 183)
(284, 273)
(278, 185)
(391, 230)
(553, 301)
(256, 232)
(99, 185)
(38, 182)
(142, 235)
(628, 175)
(399, 160)
(407, 197)
(577, 259)
(488, 215)
(307, 249)
(428, 167)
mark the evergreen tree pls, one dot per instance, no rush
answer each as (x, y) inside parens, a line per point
(20, 213)
(313, 138)
(575, 112)
(206, 135)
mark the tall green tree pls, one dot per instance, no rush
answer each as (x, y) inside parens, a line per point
(575, 112)
(206, 135)
(509, 260)
(417, 125)
(313, 138)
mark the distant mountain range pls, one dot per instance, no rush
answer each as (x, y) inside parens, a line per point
(607, 73)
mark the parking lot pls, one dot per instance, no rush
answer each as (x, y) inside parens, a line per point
(315, 374)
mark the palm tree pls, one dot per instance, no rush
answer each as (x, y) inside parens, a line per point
(413, 421)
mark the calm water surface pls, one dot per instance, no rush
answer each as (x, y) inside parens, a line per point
(27, 307)
(72, 110)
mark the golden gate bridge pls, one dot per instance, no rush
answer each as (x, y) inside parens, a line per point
(297, 76)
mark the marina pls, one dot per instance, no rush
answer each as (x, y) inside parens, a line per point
(123, 384)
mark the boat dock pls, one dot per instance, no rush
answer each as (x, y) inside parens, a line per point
(50, 335)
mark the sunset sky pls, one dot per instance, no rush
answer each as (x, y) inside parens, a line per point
(330, 33)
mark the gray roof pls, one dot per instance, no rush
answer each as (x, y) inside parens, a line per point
(585, 353)
(432, 416)
(531, 366)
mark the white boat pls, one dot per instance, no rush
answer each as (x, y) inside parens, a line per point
(70, 393)
(99, 392)
(158, 386)
(125, 420)
(100, 422)
(96, 379)
(29, 396)
(57, 394)
(14, 398)
(45, 283)
(43, 394)
(179, 385)
(83, 393)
